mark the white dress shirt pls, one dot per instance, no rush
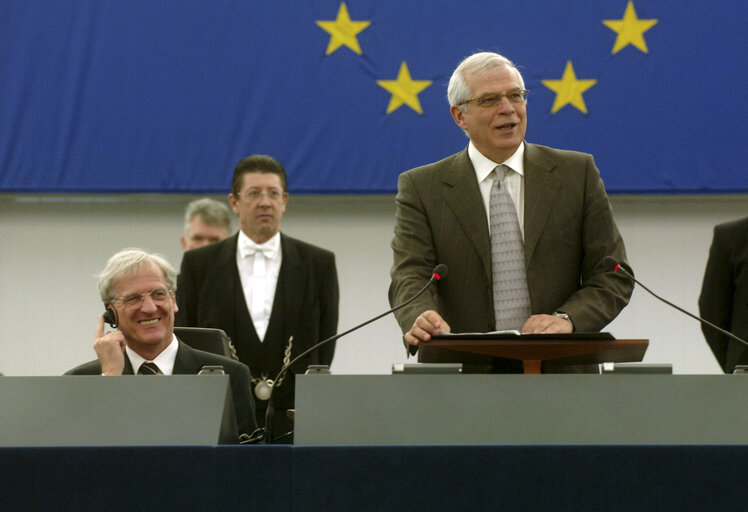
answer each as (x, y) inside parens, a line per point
(164, 361)
(259, 266)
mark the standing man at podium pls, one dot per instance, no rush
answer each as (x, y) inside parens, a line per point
(522, 228)
(138, 291)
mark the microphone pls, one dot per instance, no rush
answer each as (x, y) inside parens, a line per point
(611, 264)
(439, 272)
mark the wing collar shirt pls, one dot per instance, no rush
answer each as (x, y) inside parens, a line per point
(164, 361)
(259, 266)
(515, 181)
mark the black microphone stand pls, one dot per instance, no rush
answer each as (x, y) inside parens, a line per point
(619, 269)
(438, 273)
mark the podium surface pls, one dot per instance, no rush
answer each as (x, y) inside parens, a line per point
(549, 409)
(86, 410)
(533, 349)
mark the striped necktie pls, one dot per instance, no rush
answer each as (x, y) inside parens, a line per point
(511, 298)
(149, 368)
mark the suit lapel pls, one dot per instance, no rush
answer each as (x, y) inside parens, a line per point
(289, 293)
(462, 194)
(542, 185)
(128, 366)
(226, 274)
(233, 310)
(185, 362)
(225, 277)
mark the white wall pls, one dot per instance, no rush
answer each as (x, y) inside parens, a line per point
(52, 246)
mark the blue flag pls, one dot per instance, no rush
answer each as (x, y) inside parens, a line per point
(167, 96)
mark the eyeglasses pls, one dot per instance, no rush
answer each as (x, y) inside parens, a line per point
(491, 100)
(274, 194)
(159, 296)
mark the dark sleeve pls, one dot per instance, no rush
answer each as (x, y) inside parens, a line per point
(715, 301)
(329, 296)
(414, 255)
(602, 293)
(186, 293)
(244, 404)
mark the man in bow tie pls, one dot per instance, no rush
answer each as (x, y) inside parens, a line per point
(275, 296)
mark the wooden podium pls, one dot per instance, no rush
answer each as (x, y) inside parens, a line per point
(533, 349)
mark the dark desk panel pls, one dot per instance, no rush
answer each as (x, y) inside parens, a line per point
(376, 478)
(520, 478)
(146, 478)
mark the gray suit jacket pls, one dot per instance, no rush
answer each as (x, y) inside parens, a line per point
(569, 229)
(724, 293)
(189, 361)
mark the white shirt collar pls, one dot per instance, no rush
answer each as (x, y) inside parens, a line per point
(164, 361)
(247, 247)
(483, 165)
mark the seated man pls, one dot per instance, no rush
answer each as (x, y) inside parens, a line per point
(138, 291)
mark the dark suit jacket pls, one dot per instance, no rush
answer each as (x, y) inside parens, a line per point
(569, 229)
(209, 294)
(724, 293)
(189, 361)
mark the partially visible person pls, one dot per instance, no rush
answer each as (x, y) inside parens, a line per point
(138, 290)
(205, 221)
(275, 296)
(724, 293)
(522, 228)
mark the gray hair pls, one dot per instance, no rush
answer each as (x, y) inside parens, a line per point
(214, 213)
(476, 65)
(126, 264)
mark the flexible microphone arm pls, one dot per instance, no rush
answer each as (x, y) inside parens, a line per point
(613, 265)
(438, 273)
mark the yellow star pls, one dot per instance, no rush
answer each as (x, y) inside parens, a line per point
(404, 90)
(630, 29)
(343, 31)
(569, 90)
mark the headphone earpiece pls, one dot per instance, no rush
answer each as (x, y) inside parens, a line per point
(110, 317)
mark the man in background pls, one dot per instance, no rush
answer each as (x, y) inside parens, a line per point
(138, 291)
(522, 228)
(724, 293)
(275, 296)
(205, 221)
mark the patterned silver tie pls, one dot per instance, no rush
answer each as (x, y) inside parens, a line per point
(511, 299)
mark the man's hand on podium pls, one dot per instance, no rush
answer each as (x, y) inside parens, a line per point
(428, 323)
(547, 324)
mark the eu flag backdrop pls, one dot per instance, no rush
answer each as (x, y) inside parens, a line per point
(105, 96)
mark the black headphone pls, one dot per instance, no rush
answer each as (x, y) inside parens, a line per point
(110, 317)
